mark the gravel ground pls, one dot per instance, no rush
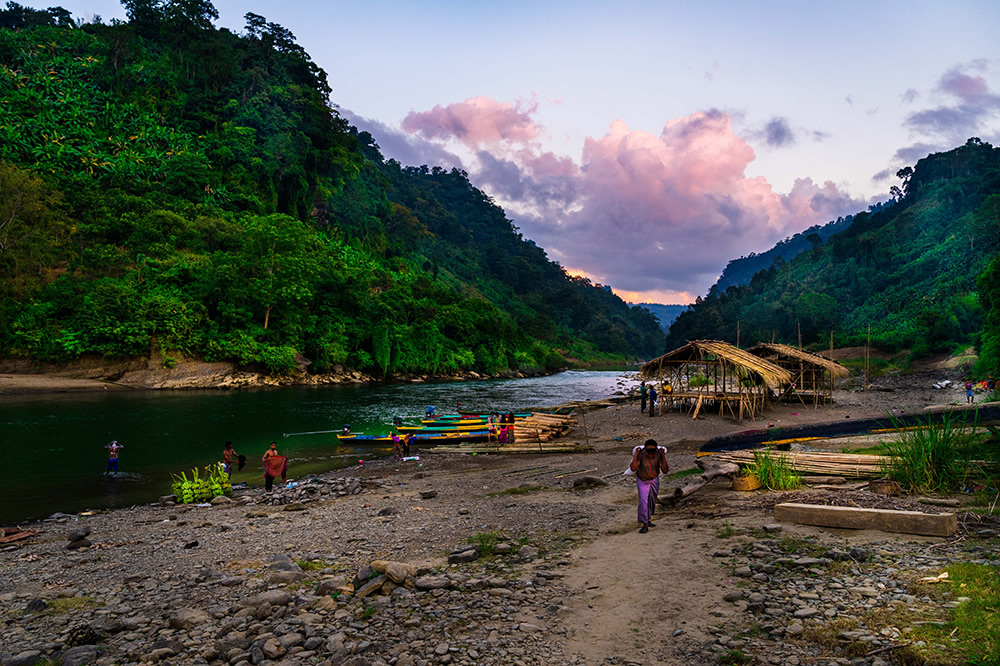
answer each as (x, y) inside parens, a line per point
(376, 565)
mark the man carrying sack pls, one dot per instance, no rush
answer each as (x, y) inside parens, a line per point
(647, 463)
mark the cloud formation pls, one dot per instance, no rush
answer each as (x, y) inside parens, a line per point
(966, 106)
(656, 216)
(478, 121)
(777, 133)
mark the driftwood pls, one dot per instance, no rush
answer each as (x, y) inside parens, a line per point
(935, 501)
(713, 470)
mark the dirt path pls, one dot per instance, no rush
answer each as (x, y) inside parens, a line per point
(646, 598)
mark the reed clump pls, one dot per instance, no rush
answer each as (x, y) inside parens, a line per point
(774, 471)
(942, 457)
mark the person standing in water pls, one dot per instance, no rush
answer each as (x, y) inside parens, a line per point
(113, 449)
(229, 456)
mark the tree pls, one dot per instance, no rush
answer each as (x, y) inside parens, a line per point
(29, 226)
(279, 261)
(905, 174)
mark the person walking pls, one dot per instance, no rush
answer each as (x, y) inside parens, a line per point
(654, 491)
(652, 400)
(647, 463)
(642, 397)
(970, 397)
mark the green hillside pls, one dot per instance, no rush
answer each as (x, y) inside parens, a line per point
(915, 273)
(170, 188)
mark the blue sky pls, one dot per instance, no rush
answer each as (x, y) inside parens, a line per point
(645, 144)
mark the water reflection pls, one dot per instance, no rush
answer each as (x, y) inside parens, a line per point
(55, 455)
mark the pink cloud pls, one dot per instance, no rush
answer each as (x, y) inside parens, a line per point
(665, 213)
(476, 122)
(647, 213)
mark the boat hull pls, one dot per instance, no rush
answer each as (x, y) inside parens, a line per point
(983, 415)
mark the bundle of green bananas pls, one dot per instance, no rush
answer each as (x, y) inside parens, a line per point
(183, 489)
(219, 480)
(202, 491)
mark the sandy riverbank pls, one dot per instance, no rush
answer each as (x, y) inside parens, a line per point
(577, 585)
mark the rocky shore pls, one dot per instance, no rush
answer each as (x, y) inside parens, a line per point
(460, 559)
(99, 374)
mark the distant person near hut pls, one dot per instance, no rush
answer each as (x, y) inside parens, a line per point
(652, 400)
(397, 448)
(113, 449)
(642, 397)
(491, 427)
(647, 463)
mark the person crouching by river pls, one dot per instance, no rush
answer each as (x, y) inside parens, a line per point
(647, 463)
(274, 464)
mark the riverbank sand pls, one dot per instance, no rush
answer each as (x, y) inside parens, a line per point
(561, 574)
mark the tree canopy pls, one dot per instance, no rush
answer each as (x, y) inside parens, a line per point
(170, 187)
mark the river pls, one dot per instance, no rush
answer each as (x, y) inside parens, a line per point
(53, 454)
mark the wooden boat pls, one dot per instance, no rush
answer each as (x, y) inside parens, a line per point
(466, 415)
(462, 422)
(783, 437)
(421, 438)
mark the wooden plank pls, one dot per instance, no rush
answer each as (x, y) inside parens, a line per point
(886, 520)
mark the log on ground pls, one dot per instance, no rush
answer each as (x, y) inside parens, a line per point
(886, 520)
(713, 470)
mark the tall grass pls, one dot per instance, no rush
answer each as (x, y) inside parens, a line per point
(941, 458)
(774, 471)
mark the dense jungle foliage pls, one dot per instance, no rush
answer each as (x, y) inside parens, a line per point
(921, 273)
(167, 187)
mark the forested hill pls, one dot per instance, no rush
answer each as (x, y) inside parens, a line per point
(922, 273)
(740, 271)
(171, 188)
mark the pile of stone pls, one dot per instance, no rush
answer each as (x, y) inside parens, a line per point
(490, 612)
(78, 538)
(787, 595)
(311, 489)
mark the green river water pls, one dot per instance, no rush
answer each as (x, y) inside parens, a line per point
(53, 451)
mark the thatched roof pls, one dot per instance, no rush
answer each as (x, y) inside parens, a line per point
(835, 369)
(702, 351)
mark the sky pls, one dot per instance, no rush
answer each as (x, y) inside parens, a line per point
(646, 144)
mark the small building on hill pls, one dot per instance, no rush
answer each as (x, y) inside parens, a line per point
(813, 377)
(707, 373)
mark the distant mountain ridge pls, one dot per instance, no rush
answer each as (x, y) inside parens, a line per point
(665, 314)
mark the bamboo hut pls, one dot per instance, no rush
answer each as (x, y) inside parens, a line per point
(813, 377)
(709, 372)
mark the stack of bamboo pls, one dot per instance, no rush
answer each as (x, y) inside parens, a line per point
(542, 427)
(850, 465)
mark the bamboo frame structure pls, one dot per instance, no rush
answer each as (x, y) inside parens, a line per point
(812, 376)
(735, 380)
